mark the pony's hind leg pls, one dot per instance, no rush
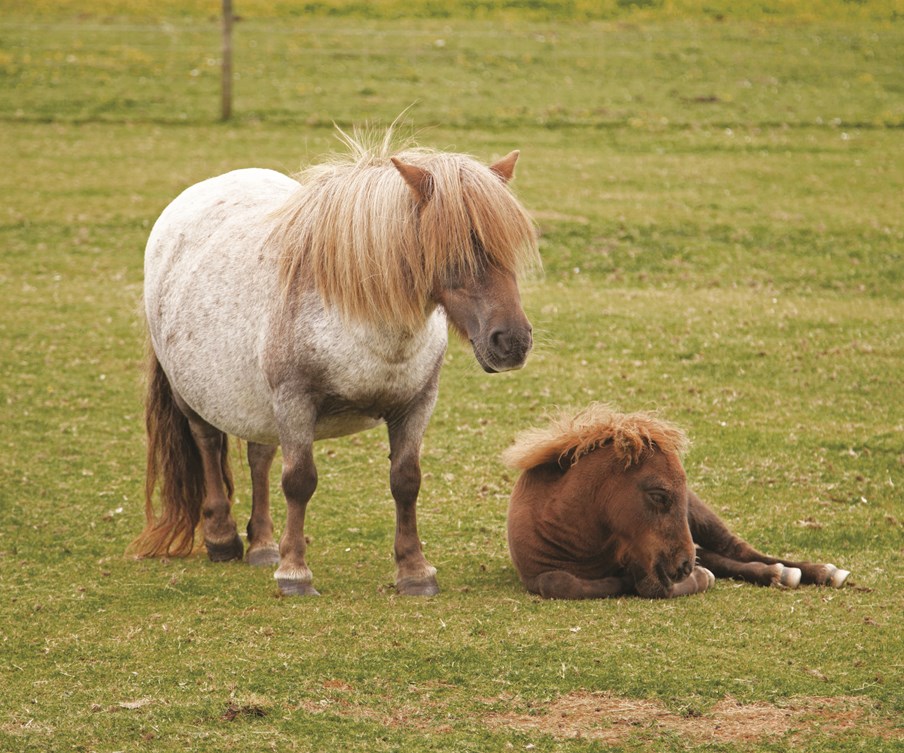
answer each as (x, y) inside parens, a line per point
(719, 548)
(262, 549)
(221, 537)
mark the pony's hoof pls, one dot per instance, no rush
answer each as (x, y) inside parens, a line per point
(265, 556)
(231, 550)
(790, 577)
(417, 586)
(296, 588)
(710, 578)
(837, 577)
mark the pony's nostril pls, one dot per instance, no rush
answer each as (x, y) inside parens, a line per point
(501, 340)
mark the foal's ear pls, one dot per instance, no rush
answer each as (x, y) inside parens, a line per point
(419, 180)
(566, 460)
(505, 168)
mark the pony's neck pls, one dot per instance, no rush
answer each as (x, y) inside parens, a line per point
(396, 341)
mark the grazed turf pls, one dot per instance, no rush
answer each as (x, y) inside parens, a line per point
(719, 204)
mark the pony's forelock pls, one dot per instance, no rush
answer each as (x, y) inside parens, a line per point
(355, 231)
(569, 436)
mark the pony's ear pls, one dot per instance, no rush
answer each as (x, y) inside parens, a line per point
(505, 168)
(419, 180)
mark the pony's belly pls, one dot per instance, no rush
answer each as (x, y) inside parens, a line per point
(329, 427)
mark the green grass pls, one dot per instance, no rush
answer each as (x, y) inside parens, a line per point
(720, 207)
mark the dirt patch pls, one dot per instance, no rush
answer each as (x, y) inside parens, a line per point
(612, 720)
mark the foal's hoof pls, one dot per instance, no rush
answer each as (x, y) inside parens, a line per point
(295, 588)
(417, 586)
(231, 550)
(836, 576)
(790, 577)
(265, 556)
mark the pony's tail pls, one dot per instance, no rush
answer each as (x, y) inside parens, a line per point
(173, 463)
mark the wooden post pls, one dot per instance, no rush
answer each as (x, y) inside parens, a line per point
(226, 100)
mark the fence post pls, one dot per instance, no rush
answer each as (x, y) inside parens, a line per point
(226, 99)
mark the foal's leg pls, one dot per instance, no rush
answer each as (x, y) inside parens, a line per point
(725, 554)
(262, 550)
(760, 573)
(650, 587)
(700, 579)
(414, 575)
(221, 537)
(557, 584)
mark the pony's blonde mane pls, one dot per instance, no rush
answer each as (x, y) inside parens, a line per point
(570, 436)
(355, 230)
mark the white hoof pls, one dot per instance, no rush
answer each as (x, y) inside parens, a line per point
(790, 577)
(839, 577)
(710, 578)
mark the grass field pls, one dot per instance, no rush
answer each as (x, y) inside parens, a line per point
(720, 201)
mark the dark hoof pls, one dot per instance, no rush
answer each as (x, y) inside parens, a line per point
(231, 550)
(265, 556)
(295, 588)
(417, 586)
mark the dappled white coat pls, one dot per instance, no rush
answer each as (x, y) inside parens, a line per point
(228, 345)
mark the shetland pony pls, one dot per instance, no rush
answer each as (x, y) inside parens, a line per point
(602, 508)
(283, 311)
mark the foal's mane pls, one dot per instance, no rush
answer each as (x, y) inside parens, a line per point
(356, 231)
(570, 436)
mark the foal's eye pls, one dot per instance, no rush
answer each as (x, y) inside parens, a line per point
(660, 499)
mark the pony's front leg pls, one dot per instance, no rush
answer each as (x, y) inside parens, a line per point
(299, 480)
(262, 550)
(414, 575)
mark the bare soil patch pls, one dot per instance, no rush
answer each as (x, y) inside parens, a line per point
(612, 719)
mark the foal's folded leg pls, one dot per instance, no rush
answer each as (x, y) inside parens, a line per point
(697, 582)
(557, 584)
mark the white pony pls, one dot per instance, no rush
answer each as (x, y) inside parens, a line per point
(284, 311)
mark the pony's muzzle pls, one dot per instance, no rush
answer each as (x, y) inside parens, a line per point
(507, 349)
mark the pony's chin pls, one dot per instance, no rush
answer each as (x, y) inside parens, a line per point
(483, 361)
(497, 367)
